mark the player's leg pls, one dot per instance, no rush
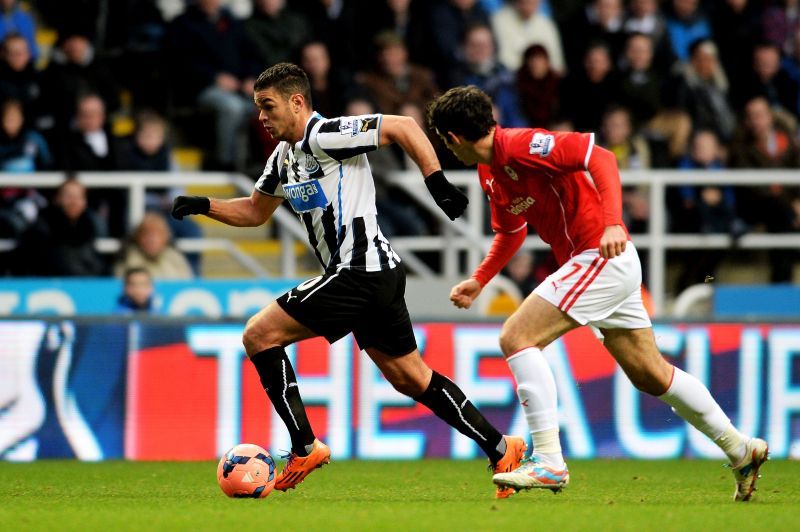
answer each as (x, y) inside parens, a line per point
(385, 332)
(314, 308)
(636, 352)
(265, 336)
(526, 332)
(412, 377)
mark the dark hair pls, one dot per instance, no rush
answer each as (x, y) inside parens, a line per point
(287, 79)
(130, 272)
(466, 111)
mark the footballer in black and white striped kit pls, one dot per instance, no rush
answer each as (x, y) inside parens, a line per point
(327, 180)
(321, 169)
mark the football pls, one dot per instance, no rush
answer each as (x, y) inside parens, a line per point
(246, 471)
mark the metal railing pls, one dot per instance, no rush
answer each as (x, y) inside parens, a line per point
(463, 237)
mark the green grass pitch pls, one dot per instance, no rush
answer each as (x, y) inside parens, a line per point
(422, 495)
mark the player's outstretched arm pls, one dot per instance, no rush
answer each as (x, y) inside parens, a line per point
(406, 132)
(504, 246)
(238, 212)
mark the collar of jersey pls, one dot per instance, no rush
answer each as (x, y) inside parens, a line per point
(303, 143)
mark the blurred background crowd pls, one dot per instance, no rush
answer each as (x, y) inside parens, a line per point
(154, 85)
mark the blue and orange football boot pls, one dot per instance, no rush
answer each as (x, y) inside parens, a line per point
(298, 468)
(533, 474)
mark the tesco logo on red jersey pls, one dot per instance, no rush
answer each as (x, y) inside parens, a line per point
(542, 144)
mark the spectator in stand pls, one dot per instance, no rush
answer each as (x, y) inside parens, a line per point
(276, 31)
(75, 70)
(150, 248)
(702, 91)
(395, 81)
(644, 17)
(138, 293)
(618, 137)
(601, 21)
(91, 146)
(19, 80)
(641, 84)
(21, 149)
(633, 153)
(641, 90)
(403, 17)
(771, 81)
(587, 92)
(13, 20)
(736, 28)
(330, 90)
(765, 141)
(214, 65)
(709, 209)
(780, 22)
(686, 24)
(61, 243)
(148, 151)
(706, 209)
(479, 67)
(519, 24)
(447, 20)
(538, 86)
(334, 23)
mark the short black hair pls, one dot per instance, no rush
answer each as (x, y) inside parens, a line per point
(287, 79)
(466, 111)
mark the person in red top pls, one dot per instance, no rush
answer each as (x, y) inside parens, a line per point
(567, 189)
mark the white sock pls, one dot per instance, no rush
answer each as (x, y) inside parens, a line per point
(691, 400)
(536, 389)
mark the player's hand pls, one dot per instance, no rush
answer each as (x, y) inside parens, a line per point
(451, 200)
(613, 241)
(464, 293)
(186, 205)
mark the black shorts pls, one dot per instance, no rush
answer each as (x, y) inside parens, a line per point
(371, 305)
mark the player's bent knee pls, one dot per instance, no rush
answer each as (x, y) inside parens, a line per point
(408, 387)
(257, 337)
(511, 341)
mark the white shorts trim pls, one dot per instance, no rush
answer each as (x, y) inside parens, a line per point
(602, 292)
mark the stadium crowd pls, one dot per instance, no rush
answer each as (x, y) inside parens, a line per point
(682, 84)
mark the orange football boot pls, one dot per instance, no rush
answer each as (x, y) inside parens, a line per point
(298, 468)
(515, 452)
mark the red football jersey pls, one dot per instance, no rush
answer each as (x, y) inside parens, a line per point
(539, 177)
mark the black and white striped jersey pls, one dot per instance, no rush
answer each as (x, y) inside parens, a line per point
(327, 180)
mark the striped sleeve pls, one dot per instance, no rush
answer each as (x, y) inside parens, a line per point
(348, 136)
(270, 181)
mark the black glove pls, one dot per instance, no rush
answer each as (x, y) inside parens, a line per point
(451, 200)
(186, 205)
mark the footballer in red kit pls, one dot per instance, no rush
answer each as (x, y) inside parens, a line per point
(567, 189)
(547, 168)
